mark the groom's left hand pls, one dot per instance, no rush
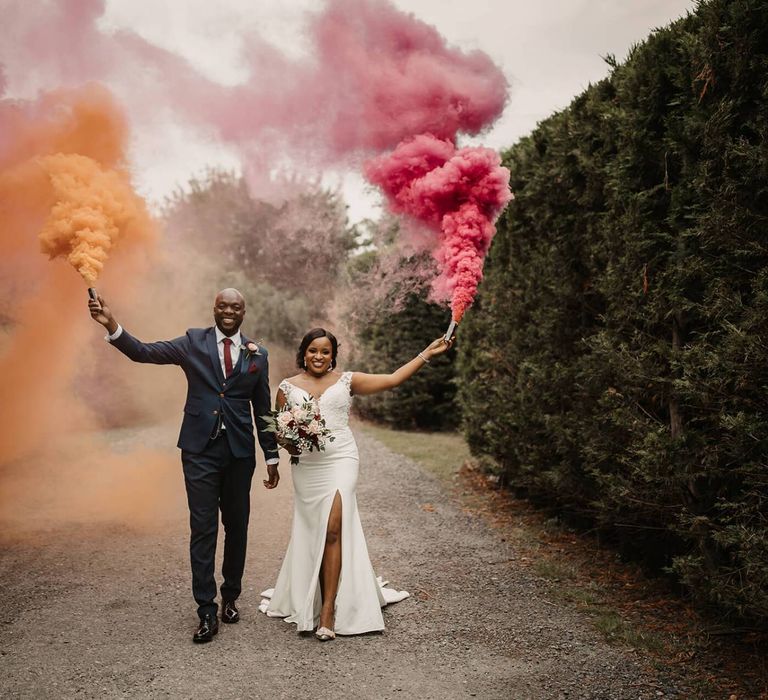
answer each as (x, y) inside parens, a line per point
(274, 476)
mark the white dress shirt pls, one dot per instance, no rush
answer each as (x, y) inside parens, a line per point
(234, 351)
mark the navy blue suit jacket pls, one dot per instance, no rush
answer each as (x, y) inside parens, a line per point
(211, 397)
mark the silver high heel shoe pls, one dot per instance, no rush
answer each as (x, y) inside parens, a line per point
(324, 634)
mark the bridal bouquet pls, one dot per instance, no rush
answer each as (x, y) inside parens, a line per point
(300, 427)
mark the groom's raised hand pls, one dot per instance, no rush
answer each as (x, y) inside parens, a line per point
(100, 313)
(274, 476)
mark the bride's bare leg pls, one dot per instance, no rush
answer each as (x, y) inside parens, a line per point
(330, 568)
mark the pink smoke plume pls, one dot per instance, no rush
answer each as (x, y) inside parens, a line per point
(419, 92)
(458, 194)
(392, 76)
(374, 77)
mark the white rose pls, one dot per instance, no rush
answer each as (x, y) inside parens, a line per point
(300, 415)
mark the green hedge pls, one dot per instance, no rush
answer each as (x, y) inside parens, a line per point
(389, 319)
(427, 401)
(616, 360)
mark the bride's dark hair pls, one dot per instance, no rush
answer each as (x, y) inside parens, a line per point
(314, 334)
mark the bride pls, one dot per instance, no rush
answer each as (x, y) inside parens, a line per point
(326, 580)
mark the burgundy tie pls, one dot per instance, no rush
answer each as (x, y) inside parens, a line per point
(227, 356)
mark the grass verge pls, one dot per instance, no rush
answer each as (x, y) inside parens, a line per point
(443, 454)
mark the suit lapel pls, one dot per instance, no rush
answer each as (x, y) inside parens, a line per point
(213, 351)
(238, 368)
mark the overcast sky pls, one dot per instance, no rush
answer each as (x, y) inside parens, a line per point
(550, 51)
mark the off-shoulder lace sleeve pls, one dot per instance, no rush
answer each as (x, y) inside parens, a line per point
(346, 380)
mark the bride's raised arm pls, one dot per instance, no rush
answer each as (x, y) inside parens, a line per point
(363, 384)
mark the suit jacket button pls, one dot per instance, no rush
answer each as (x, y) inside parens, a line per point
(215, 413)
(221, 395)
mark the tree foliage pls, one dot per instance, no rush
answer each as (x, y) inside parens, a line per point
(286, 258)
(390, 319)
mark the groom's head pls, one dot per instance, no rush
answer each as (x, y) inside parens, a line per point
(228, 311)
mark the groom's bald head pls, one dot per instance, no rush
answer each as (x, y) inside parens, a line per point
(229, 310)
(229, 293)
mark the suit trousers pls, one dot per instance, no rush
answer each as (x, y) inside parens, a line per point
(216, 480)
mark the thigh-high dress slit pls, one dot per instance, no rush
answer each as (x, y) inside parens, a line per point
(317, 479)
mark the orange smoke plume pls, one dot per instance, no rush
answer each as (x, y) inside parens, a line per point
(63, 186)
(60, 170)
(42, 183)
(94, 207)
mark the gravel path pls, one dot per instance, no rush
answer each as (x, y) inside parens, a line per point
(95, 611)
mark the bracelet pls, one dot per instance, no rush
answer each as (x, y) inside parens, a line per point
(423, 358)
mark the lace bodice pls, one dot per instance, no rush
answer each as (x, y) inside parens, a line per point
(334, 403)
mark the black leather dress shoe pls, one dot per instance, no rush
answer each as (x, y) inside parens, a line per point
(229, 612)
(209, 626)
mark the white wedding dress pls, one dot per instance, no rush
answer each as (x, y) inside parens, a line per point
(316, 479)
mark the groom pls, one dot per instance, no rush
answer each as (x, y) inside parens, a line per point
(226, 375)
